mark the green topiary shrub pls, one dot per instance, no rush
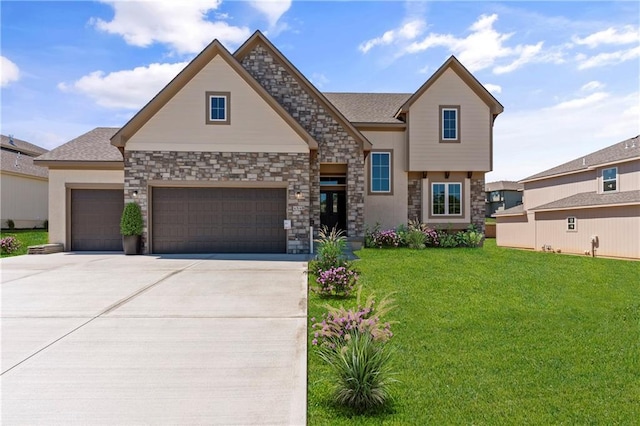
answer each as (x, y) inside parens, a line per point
(131, 222)
(11, 224)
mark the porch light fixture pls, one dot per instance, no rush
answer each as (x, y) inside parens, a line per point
(446, 175)
(298, 195)
(135, 194)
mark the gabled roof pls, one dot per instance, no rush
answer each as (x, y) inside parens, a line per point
(513, 211)
(455, 65)
(19, 145)
(215, 48)
(368, 107)
(620, 152)
(503, 185)
(18, 163)
(259, 38)
(92, 147)
(592, 200)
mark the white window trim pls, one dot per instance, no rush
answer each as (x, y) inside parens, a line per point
(226, 106)
(457, 124)
(616, 180)
(446, 199)
(388, 154)
(575, 224)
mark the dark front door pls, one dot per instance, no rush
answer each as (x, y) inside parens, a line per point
(333, 209)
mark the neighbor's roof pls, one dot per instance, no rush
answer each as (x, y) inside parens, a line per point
(503, 185)
(513, 211)
(592, 199)
(368, 107)
(23, 164)
(21, 146)
(619, 152)
(94, 145)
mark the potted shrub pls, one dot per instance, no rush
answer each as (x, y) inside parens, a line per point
(131, 228)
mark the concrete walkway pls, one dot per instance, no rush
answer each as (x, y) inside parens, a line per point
(113, 339)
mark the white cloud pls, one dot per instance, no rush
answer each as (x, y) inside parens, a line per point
(625, 35)
(493, 88)
(530, 141)
(183, 26)
(130, 89)
(319, 80)
(408, 31)
(605, 59)
(272, 9)
(484, 46)
(591, 86)
(9, 72)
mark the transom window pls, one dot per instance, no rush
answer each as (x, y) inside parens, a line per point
(217, 108)
(446, 199)
(381, 172)
(449, 124)
(610, 179)
(572, 224)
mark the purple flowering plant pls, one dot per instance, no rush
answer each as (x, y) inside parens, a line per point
(9, 244)
(386, 238)
(336, 281)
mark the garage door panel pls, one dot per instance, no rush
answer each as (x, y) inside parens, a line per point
(95, 219)
(222, 220)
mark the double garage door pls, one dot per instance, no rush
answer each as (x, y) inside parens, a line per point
(186, 220)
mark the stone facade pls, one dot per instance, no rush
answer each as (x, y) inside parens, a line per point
(477, 203)
(335, 144)
(415, 198)
(250, 169)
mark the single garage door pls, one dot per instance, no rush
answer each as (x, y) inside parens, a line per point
(218, 220)
(95, 219)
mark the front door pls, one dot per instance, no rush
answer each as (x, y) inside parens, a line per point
(333, 209)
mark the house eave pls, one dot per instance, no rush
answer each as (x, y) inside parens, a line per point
(81, 165)
(591, 206)
(586, 169)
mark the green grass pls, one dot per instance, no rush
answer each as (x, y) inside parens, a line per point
(27, 237)
(499, 336)
(489, 220)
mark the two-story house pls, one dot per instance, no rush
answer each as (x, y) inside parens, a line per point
(502, 195)
(590, 205)
(241, 153)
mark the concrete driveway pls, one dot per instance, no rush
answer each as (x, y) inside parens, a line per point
(113, 339)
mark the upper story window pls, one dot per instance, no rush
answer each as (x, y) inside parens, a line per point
(449, 124)
(217, 107)
(380, 178)
(446, 199)
(610, 179)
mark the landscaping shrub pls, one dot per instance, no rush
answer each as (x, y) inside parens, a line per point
(9, 244)
(448, 240)
(363, 372)
(338, 281)
(471, 237)
(131, 222)
(369, 233)
(335, 275)
(11, 224)
(387, 238)
(416, 239)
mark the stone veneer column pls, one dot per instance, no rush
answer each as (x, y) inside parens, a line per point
(414, 198)
(335, 144)
(292, 170)
(477, 203)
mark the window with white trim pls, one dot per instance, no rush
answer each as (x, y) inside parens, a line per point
(380, 172)
(449, 124)
(446, 199)
(217, 107)
(610, 179)
(572, 224)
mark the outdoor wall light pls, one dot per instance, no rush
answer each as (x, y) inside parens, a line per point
(135, 194)
(298, 195)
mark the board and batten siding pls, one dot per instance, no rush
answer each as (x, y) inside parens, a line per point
(388, 210)
(473, 153)
(180, 124)
(24, 200)
(617, 229)
(516, 231)
(60, 181)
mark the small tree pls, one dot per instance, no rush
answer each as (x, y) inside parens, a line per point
(131, 222)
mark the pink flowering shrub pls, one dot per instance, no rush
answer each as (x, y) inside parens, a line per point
(336, 281)
(387, 238)
(9, 244)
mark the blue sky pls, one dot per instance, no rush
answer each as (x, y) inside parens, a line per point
(567, 73)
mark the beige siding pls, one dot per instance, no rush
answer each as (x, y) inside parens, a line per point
(439, 177)
(545, 191)
(180, 124)
(388, 210)
(59, 181)
(24, 200)
(617, 229)
(516, 231)
(628, 176)
(426, 152)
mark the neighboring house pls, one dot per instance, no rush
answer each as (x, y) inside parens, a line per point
(593, 198)
(237, 144)
(502, 195)
(24, 186)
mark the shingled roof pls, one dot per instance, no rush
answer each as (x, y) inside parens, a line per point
(368, 107)
(503, 185)
(592, 199)
(93, 146)
(21, 146)
(19, 163)
(621, 151)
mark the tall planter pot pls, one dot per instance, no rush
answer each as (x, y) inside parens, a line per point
(131, 244)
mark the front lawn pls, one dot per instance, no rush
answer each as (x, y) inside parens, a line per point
(500, 336)
(26, 237)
